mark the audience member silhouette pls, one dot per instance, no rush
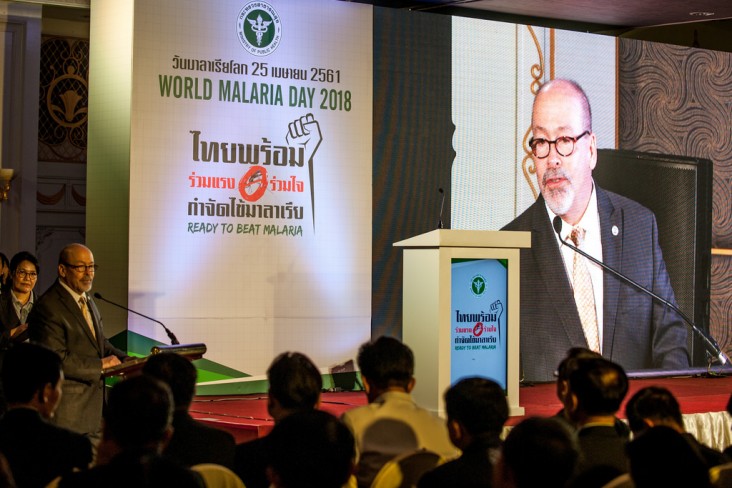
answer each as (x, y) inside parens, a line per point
(597, 388)
(654, 406)
(294, 386)
(193, 442)
(137, 426)
(537, 452)
(392, 423)
(661, 456)
(310, 449)
(37, 451)
(564, 369)
(476, 411)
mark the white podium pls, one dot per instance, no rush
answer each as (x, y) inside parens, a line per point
(478, 334)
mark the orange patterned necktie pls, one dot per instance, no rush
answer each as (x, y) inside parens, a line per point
(584, 295)
(87, 315)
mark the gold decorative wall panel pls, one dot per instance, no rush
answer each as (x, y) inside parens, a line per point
(676, 100)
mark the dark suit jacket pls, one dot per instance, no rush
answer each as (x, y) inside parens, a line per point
(196, 443)
(251, 462)
(37, 451)
(9, 320)
(638, 332)
(135, 468)
(56, 321)
(473, 469)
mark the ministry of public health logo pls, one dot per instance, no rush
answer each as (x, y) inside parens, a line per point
(477, 285)
(258, 28)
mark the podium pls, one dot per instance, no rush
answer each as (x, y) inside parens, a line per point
(461, 310)
(133, 366)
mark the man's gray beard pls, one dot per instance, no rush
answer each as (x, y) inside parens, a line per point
(559, 201)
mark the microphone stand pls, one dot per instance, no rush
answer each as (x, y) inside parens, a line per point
(711, 344)
(171, 336)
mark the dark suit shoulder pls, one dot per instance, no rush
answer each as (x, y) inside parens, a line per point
(194, 442)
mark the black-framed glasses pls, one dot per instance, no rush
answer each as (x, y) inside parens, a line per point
(21, 273)
(563, 144)
(81, 268)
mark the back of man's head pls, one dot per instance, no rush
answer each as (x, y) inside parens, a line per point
(175, 371)
(139, 413)
(386, 363)
(569, 364)
(479, 405)
(661, 456)
(599, 386)
(294, 381)
(538, 452)
(27, 369)
(656, 404)
(310, 449)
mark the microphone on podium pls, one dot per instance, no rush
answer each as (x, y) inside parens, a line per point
(439, 222)
(709, 342)
(171, 336)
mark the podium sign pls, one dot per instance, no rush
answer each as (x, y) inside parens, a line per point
(479, 333)
(461, 310)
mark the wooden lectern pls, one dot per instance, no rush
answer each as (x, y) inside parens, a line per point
(133, 366)
(478, 334)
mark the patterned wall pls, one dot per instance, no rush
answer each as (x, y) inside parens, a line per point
(676, 100)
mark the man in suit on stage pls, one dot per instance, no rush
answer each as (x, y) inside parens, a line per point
(67, 321)
(566, 300)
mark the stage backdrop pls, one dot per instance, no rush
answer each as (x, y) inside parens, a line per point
(250, 177)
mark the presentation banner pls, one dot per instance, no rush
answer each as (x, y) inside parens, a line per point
(250, 176)
(479, 309)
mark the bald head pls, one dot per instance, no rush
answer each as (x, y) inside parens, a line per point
(570, 90)
(76, 267)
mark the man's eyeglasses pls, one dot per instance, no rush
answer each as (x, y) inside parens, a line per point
(564, 145)
(81, 268)
(32, 275)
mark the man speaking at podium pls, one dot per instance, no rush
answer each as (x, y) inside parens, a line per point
(67, 321)
(566, 300)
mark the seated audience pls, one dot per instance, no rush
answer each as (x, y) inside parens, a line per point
(392, 423)
(310, 449)
(660, 456)
(294, 386)
(37, 451)
(596, 390)
(137, 426)
(564, 369)
(654, 406)
(538, 452)
(193, 442)
(476, 411)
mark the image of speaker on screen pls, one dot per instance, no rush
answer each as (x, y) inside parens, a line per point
(567, 300)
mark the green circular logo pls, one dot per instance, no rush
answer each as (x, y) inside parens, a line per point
(258, 28)
(477, 285)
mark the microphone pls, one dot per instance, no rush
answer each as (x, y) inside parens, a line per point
(171, 336)
(708, 340)
(439, 223)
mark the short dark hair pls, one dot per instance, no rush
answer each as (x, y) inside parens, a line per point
(294, 381)
(386, 362)
(479, 404)
(540, 452)
(569, 363)
(3, 259)
(27, 368)
(311, 449)
(653, 402)
(139, 412)
(19, 258)
(599, 384)
(175, 371)
(661, 456)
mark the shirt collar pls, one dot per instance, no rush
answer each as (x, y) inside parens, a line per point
(74, 295)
